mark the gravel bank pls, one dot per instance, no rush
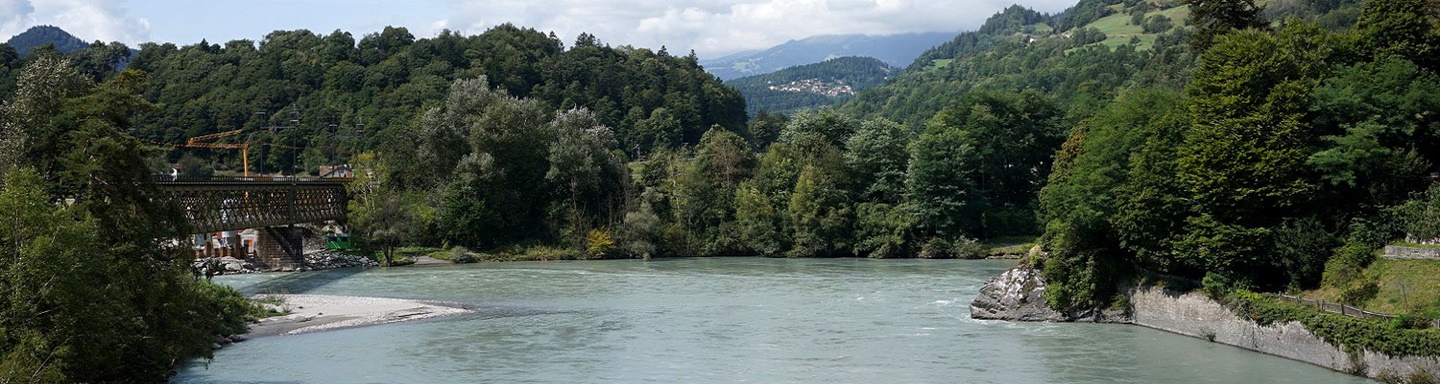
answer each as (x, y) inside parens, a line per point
(317, 313)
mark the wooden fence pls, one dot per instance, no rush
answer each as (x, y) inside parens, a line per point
(1333, 307)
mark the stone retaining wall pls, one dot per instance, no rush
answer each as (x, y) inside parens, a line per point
(1398, 252)
(1195, 315)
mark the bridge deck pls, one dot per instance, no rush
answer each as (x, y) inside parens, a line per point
(214, 206)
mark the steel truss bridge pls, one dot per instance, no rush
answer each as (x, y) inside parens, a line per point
(214, 206)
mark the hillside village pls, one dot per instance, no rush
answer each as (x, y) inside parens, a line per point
(816, 86)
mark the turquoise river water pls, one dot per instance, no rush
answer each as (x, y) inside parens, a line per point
(716, 320)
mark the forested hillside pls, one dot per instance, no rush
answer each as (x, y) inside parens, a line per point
(46, 34)
(1291, 155)
(328, 86)
(811, 86)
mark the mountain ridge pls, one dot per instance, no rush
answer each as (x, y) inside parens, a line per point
(896, 50)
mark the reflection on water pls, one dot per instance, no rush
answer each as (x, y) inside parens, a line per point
(717, 320)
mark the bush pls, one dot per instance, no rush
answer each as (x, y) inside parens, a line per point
(459, 255)
(1217, 285)
(1157, 24)
(1420, 216)
(937, 248)
(967, 248)
(231, 309)
(599, 244)
(1349, 333)
(1347, 265)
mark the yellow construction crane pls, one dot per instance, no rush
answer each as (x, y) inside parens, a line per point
(244, 147)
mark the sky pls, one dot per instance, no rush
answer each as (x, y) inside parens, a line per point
(711, 28)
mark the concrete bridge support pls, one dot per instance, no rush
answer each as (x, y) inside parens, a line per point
(280, 248)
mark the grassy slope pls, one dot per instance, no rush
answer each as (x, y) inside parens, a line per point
(1406, 286)
(1118, 30)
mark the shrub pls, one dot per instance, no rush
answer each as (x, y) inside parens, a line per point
(937, 248)
(1157, 24)
(599, 244)
(231, 309)
(459, 255)
(967, 248)
(1217, 285)
(1347, 264)
(1349, 333)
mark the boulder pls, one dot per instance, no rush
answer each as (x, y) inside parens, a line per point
(1018, 294)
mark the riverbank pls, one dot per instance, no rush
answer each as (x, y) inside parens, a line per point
(1018, 295)
(317, 313)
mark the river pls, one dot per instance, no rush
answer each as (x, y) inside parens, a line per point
(716, 320)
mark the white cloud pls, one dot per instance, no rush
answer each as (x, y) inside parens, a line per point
(713, 27)
(90, 20)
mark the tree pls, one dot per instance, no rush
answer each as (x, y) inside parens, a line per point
(766, 128)
(584, 176)
(877, 156)
(1213, 18)
(757, 222)
(1404, 28)
(381, 216)
(1004, 144)
(818, 215)
(942, 182)
(828, 124)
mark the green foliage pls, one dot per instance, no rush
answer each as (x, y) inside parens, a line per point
(1157, 24)
(480, 158)
(94, 291)
(818, 215)
(1302, 247)
(826, 125)
(382, 216)
(1217, 285)
(1350, 333)
(386, 79)
(884, 231)
(1421, 214)
(1345, 268)
(599, 244)
(757, 222)
(877, 155)
(765, 128)
(1218, 17)
(978, 167)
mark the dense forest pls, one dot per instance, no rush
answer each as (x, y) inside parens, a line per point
(1292, 153)
(344, 95)
(810, 86)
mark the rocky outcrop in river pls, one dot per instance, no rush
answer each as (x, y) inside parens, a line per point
(1018, 294)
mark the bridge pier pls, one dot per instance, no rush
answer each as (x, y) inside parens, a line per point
(280, 248)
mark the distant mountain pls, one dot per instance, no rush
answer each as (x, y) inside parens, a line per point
(896, 50)
(46, 34)
(811, 85)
